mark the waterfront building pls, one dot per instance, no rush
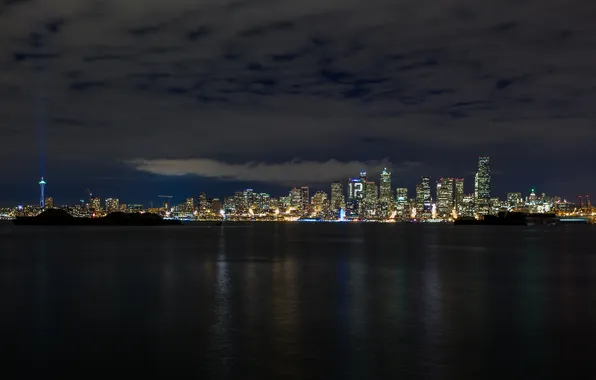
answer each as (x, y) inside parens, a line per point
(445, 197)
(370, 200)
(483, 185)
(304, 201)
(401, 201)
(385, 195)
(337, 197)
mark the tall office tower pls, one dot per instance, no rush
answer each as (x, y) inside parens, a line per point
(95, 204)
(401, 201)
(42, 187)
(304, 201)
(427, 199)
(459, 193)
(483, 186)
(385, 195)
(371, 197)
(514, 200)
(190, 204)
(112, 204)
(295, 198)
(419, 198)
(229, 205)
(445, 197)
(49, 202)
(337, 197)
(355, 196)
(203, 204)
(216, 206)
(240, 206)
(319, 201)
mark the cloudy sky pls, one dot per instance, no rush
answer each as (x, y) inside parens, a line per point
(138, 98)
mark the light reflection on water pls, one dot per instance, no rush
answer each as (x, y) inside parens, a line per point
(300, 301)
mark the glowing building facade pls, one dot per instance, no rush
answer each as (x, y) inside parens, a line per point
(483, 184)
(445, 197)
(337, 197)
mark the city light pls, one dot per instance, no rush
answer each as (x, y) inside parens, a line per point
(362, 200)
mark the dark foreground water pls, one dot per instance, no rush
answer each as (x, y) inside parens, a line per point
(298, 301)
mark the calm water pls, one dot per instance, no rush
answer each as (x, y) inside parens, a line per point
(298, 301)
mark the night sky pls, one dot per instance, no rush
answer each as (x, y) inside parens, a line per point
(144, 97)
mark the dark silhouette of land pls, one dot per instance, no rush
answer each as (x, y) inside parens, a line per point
(509, 219)
(55, 217)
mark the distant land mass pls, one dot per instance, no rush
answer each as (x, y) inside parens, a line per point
(57, 217)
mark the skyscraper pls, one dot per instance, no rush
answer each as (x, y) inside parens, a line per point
(370, 200)
(459, 194)
(319, 203)
(426, 196)
(385, 196)
(445, 197)
(49, 202)
(304, 201)
(295, 198)
(337, 197)
(401, 201)
(483, 186)
(355, 196)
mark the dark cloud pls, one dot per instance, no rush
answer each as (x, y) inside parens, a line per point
(267, 81)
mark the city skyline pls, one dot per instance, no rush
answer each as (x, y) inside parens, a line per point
(445, 193)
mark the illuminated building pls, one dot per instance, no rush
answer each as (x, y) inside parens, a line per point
(385, 195)
(203, 205)
(123, 207)
(319, 203)
(401, 201)
(95, 204)
(285, 202)
(135, 208)
(112, 204)
(337, 197)
(295, 198)
(459, 193)
(355, 196)
(495, 205)
(514, 200)
(371, 198)
(423, 197)
(483, 184)
(190, 204)
(216, 206)
(240, 207)
(304, 201)
(263, 202)
(467, 207)
(49, 202)
(419, 198)
(445, 197)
